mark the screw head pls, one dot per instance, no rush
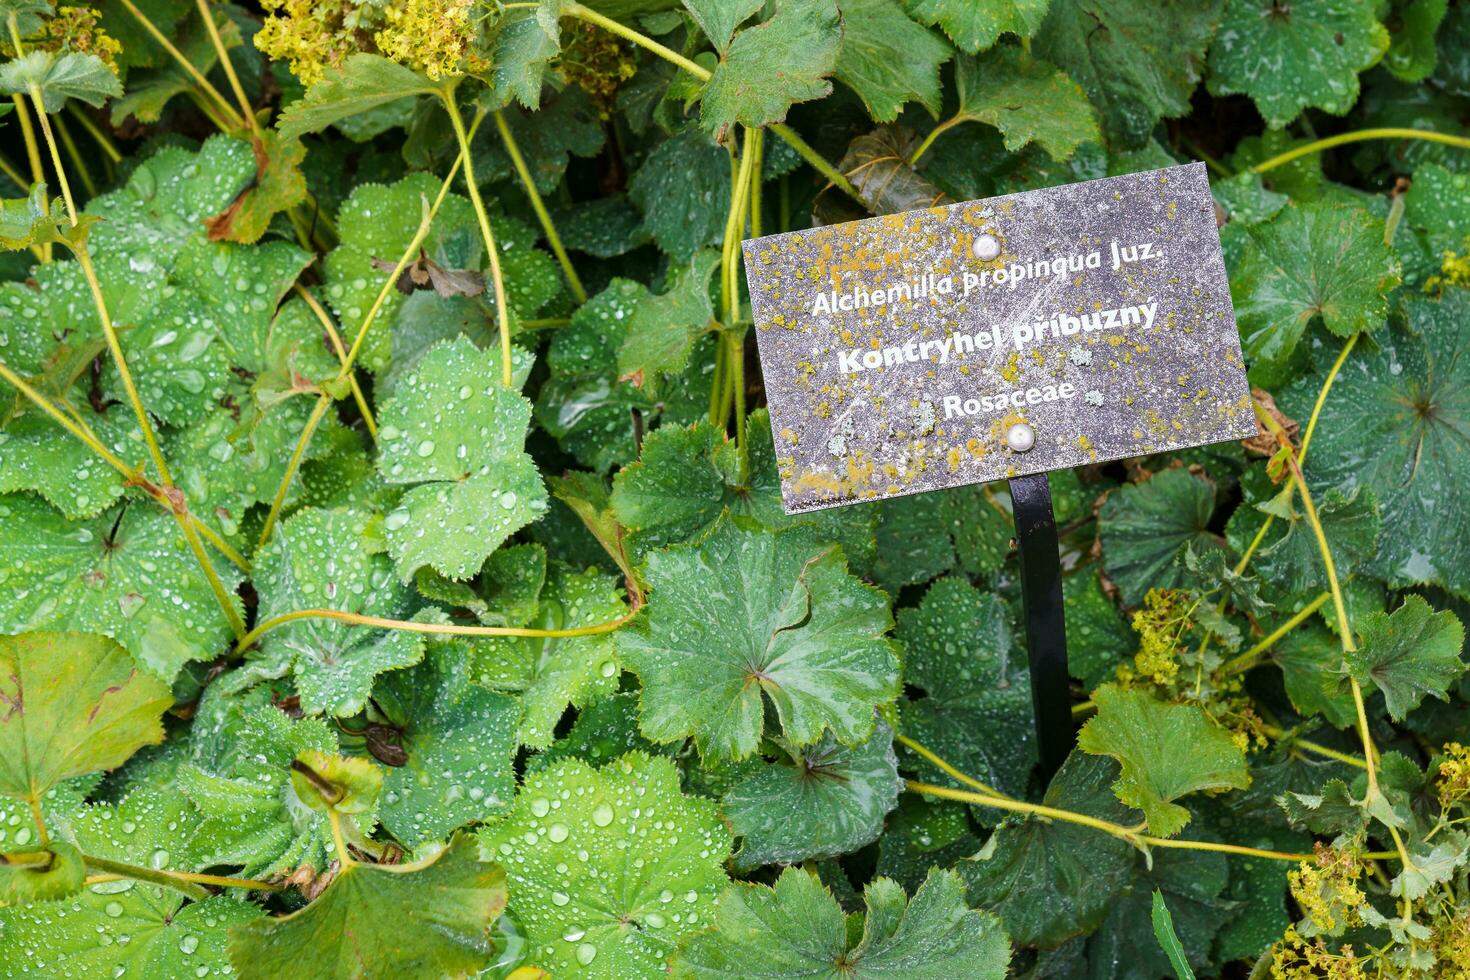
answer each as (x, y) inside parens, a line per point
(986, 247)
(1020, 438)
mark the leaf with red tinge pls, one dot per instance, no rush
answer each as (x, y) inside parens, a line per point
(278, 186)
(71, 704)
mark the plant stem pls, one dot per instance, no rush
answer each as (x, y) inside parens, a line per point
(318, 411)
(1276, 732)
(502, 310)
(755, 143)
(780, 129)
(76, 158)
(628, 34)
(579, 293)
(132, 475)
(324, 401)
(1249, 658)
(41, 860)
(413, 626)
(247, 113)
(231, 117)
(818, 164)
(167, 879)
(1358, 136)
(1327, 383)
(933, 135)
(336, 339)
(949, 770)
(95, 132)
(1106, 826)
(45, 121)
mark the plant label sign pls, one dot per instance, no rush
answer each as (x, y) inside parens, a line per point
(997, 338)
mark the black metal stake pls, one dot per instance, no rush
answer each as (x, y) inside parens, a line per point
(1046, 626)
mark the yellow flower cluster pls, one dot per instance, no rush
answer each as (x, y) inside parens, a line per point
(1454, 270)
(1295, 958)
(316, 36)
(1452, 944)
(432, 36)
(1160, 623)
(75, 29)
(1327, 890)
(1453, 779)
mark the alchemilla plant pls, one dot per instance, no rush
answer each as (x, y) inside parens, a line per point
(393, 576)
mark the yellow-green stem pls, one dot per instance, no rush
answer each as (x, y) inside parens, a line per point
(318, 411)
(1276, 732)
(1358, 136)
(223, 53)
(412, 626)
(755, 144)
(94, 131)
(1249, 658)
(628, 34)
(502, 310)
(934, 134)
(84, 259)
(924, 752)
(83, 171)
(231, 117)
(129, 473)
(216, 585)
(1322, 393)
(579, 293)
(153, 876)
(821, 166)
(54, 150)
(331, 328)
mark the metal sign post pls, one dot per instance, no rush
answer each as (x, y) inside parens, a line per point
(1046, 626)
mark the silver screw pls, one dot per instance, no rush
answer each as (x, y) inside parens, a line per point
(986, 247)
(1020, 437)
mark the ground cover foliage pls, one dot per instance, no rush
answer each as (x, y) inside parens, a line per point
(393, 577)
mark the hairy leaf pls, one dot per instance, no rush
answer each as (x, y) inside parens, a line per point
(976, 26)
(1408, 654)
(1166, 750)
(747, 616)
(658, 857)
(1026, 99)
(773, 65)
(889, 60)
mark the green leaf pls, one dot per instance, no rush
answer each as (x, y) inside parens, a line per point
(1351, 526)
(431, 918)
(921, 835)
(330, 783)
(658, 858)
(1098, 637)
(72, 75)
(683, 190)
(719, 18)
(877, 164)
(74, 704)
(29, 14)
(747, 616)
(1411, 54)
(1289, 58)
(1317, 260)
(1191, 881)
(1408, 654)
(1027, 99)
(361, 83)
(1394, 422)
(888, 60)
(83, 936)
(662, 329)
(831, 800)
(1137, 62)
(1166, 750)
(458, 435)
(29, 221)
(1438, 201)
(1310, 658)
(332, 559)
(253, 818)
(522, 43)
(772, 65)
(976, 26)
(797, 929)
(165, 202)
(126, 574)
(1145, 527)
(34, 455)
(1050, 880)
(1163, 924)
(138, 46)
(61, 875)
(566, 125)
(278, 186)
(553, 672)
(976, 713)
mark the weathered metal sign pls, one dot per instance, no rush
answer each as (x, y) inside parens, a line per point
(997, 338)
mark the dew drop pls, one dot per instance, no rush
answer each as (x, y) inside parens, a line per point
(603, 815)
